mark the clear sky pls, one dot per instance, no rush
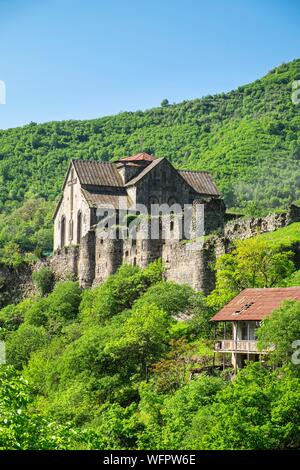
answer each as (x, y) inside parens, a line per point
(81, 59)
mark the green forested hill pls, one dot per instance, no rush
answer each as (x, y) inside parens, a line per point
(248, 138)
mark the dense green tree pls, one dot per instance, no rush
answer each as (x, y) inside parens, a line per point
(117, 374)
(168, 296)
(282, 331)
(252, 263)
(23, 429)
(119, 291)
(168, 420)
(259, 410)
(22, 342)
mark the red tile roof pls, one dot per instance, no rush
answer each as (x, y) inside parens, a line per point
(256, 304)
(140, 156)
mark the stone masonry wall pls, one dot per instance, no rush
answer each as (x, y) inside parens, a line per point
(246, 228)
(186, 263)
(108, 258)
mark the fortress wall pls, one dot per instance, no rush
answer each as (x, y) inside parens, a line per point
(15, 284)
(64, 263)
(86, 265)
(188, 264)
(108, 258)
(245, 228)
(95, 260)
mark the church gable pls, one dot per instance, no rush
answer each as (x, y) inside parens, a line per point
(160, 183)
(71, 218)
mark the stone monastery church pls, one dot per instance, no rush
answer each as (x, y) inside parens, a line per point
(92, 186)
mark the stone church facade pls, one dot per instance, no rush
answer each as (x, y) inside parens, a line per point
(93, 189)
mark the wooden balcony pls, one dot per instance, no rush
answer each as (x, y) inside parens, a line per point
(240, 346)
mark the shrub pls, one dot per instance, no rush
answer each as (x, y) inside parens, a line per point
(44, 280)
(21, 343)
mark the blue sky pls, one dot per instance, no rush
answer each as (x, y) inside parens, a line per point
(72, 59)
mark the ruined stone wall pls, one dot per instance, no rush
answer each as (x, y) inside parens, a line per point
(214, 215)
(108, 258)
(64, 263)
(86, 264)
(245, 228)
(186, 262)
(15, 284)
(190, 263)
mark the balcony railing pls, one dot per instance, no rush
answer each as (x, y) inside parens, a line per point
(242, 346)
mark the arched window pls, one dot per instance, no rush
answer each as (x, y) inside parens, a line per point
(153, 200)
(172, 201)
(79, 227)
(63, 232)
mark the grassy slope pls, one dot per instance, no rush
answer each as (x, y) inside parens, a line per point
(288, 237)
(285, 237)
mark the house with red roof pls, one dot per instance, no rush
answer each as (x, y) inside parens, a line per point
(244, 315)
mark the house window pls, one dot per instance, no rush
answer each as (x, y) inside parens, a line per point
(70, 230)
(244, 331)
(172, 201)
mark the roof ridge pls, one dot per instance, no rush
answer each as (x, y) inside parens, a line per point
(90, 161)
(195, 171)
(270, 288)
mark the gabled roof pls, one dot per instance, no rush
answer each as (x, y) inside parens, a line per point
(200, 181)
(139, 157)
(256, 304)
(95, 173)
(144, 172)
